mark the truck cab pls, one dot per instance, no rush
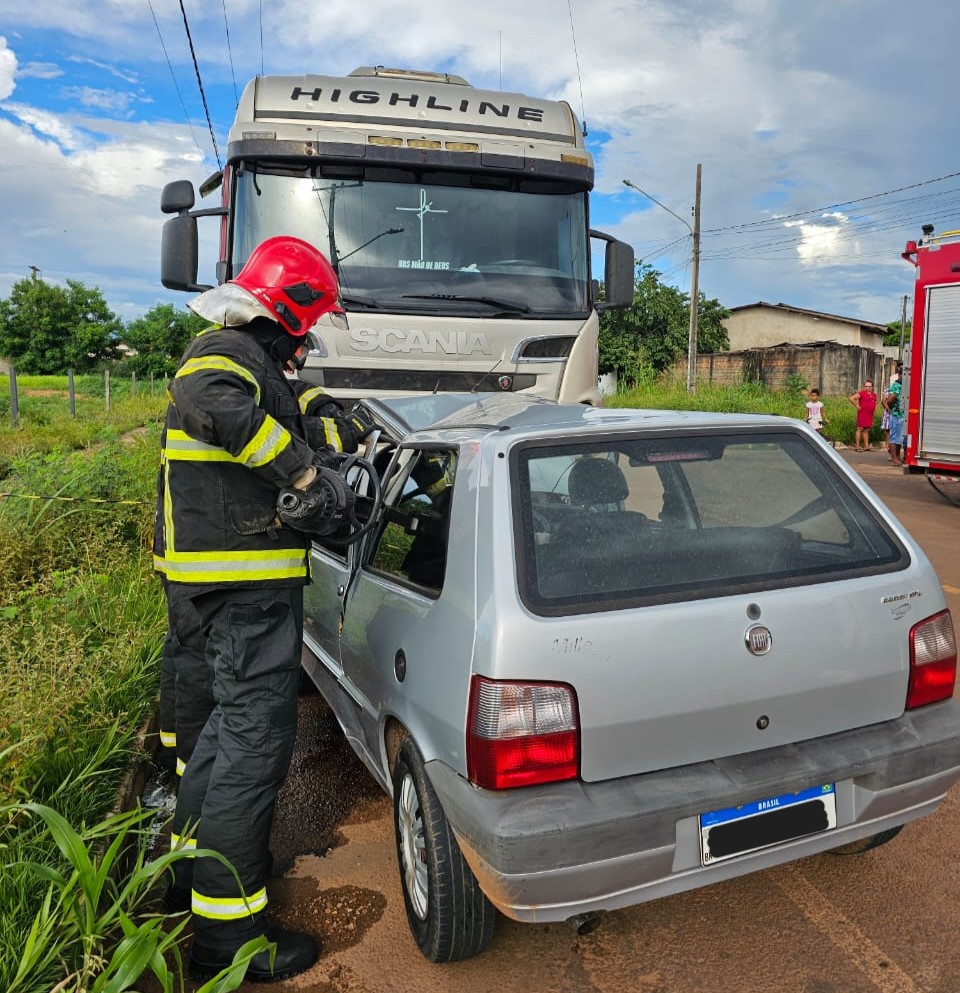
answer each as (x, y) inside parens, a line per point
(457, 220)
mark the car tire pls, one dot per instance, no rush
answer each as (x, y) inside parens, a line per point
(448, 914)
(866, 844)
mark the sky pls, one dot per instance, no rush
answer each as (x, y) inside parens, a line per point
(826, 129)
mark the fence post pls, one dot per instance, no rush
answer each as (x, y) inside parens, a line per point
(14, 399)
(133, 385)
(72, 392)
(106, 386)
(151, 384)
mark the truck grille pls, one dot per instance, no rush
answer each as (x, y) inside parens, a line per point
(418, 380)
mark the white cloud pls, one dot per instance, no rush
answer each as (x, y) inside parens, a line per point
(45, 123)
(126, 75)
(39, 70)
(8, 69)
(822, 240)
(112, 101)
(788, 106)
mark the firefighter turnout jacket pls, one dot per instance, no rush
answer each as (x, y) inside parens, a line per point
(236, 432)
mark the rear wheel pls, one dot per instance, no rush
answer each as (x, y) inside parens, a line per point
(448, 914)
(865, 844)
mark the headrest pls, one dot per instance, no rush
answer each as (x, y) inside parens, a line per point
(597, 481)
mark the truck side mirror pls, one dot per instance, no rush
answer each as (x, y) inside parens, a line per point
(177, 197)
(618, 282)
(179, 254)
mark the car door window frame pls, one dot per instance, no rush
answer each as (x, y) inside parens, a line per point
(402, 487)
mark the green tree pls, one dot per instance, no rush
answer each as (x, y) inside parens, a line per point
(652, 333)
(158, 339)
(892, 337)
(46, 328)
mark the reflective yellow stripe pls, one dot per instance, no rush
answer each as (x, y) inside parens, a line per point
(269, 441)
(178, 842)
(210, 567)
(308, 396)
(266, 444)
(168, 545)
(221, 363)
(168, 739)
(181, 766)
(180, 447)
(332, 434)
(229, 908)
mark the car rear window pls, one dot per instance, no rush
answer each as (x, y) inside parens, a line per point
(629, 520)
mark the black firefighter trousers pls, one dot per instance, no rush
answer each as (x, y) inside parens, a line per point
(252, 645)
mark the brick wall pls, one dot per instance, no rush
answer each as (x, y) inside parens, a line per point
(836, 370)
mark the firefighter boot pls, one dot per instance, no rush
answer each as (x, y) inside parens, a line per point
(296, 952)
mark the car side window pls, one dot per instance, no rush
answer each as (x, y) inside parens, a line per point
(412, 544)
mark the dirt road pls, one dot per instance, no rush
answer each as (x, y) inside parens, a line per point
(881, 922)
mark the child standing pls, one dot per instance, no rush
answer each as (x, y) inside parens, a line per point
(865, 400)
(815, 415)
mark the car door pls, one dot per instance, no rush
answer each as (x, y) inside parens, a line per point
(391, 599)
(323, 602)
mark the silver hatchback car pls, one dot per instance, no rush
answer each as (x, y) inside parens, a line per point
(601, 656)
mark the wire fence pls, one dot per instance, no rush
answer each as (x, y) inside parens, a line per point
(106, 387)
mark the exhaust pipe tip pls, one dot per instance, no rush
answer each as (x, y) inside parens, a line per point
(585, 923)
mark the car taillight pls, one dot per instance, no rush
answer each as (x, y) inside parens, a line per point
(519, 734)
(933, 661)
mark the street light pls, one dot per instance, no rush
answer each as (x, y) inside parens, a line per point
(694, 274)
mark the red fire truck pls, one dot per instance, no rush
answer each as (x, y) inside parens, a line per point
(931, 362)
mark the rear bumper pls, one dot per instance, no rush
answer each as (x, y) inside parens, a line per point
(549, 853)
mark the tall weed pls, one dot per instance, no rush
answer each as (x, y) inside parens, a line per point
(81, 625)
(669, 392)
(95, 929)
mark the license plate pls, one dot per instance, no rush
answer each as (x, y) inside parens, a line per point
(733, 831)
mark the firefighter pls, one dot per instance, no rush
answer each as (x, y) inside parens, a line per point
(186, 685)
(238, 433)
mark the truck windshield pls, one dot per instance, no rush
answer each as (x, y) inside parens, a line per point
(429, 243)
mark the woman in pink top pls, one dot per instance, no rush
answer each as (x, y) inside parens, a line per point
(865, 401)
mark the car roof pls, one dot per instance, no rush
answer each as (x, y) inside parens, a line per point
(471, 416)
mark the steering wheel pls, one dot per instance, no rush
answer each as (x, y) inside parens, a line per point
(364, 480)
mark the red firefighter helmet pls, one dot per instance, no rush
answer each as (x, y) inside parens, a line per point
(293, 280)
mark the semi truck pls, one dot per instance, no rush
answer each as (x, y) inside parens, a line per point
(931, 362)
(457, 219)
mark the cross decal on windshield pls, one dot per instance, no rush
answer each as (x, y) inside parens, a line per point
(423, 209)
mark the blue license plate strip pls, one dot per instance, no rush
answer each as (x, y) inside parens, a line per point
(752, 826)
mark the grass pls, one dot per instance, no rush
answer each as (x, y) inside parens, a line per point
(744, 398)
(100, 888)
(82, 621)
(45, 423)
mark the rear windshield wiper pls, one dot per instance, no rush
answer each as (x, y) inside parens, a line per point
(509, 305)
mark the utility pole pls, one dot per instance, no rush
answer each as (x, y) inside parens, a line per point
(903, 326)
(694, 273)
(694, 292)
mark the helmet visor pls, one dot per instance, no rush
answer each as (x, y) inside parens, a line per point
(338, 319)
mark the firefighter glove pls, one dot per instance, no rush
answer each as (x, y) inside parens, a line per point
(327, 458)
(361, 422)
(322, 508)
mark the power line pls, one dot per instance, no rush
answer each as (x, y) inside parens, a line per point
(261, 37)
(176, 86)
(236, 95)
(203, 96)
(835, 206)
(576, 56)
